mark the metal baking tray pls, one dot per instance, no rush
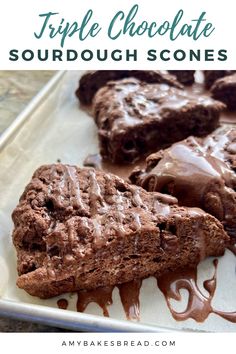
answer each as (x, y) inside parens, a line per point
(54, 127)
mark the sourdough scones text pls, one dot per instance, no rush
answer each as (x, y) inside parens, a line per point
(123, 25)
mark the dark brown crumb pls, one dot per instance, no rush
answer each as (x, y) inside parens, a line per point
(81, 229)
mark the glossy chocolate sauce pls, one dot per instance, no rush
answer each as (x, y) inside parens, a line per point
(199, 306)
(206, 168)
(129, 296)
(101, 296)
(62, 304)
(84, 191)
(123, 171)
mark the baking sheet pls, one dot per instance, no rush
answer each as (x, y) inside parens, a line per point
(54, 127)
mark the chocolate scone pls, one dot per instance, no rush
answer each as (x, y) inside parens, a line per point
(210, 76)
(92, 81)
(186, 77)
(222, 144)
(135, 118)
(224, 90)
(198, 173)
(81, 229)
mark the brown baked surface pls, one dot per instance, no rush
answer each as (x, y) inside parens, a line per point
(224, 90)
(81, 229)
(92, 81)
(199, 173)
(210, 76)
(135, 118)
(186, 77)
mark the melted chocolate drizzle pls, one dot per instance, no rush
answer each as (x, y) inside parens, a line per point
(199, 306)
(62, 304)
(121, 170)
(129, 295)
(101, 296)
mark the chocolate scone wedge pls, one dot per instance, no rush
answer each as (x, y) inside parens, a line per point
(186, 77)
(135, 118)
(92, 81)
(224, 90)
(210, 76)
(198, 173)
(81, 229)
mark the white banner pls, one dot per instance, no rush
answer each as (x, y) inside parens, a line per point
(131, 34)
(176, 343)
